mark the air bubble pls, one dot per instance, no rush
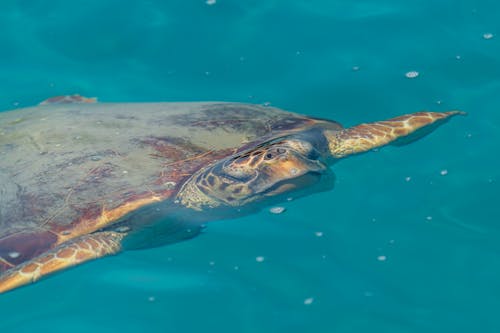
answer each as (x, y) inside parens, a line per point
(14, 255)
(277, 210)
(259, 259)
(211, 2)
(318, 234)
(412, 74)
(122, 229)
(443, 172)
(488, 35)
(308, 301)
(381, 258)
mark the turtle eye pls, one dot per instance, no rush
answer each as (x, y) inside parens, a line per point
(274, 152)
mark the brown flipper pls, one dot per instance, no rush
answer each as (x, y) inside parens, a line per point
(69, 99)
(68, 254)
(364, 137)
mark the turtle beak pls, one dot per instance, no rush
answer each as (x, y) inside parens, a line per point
(307, 180)
(290, 172)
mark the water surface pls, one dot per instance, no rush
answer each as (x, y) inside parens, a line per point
(396, 247)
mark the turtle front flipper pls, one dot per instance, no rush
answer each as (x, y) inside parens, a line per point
(69, 99)
(364, 137)
(67, 254)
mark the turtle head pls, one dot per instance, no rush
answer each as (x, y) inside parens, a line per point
(278, 168)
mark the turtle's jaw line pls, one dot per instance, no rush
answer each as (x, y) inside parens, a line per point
(297, 183)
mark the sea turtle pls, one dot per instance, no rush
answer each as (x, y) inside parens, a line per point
(80, 180)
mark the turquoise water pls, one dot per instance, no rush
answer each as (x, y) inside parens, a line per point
(437, 233)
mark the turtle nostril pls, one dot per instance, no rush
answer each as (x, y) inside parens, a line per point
(281, 150)
(269, 156)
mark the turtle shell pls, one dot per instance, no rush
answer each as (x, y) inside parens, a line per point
(71, 169)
